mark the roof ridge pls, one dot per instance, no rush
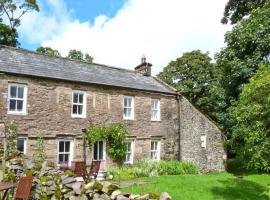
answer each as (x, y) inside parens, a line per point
(66, 58)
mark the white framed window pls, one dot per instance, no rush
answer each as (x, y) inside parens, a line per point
(129, 152)
(78, 104)
(17, 97)
(65, 152)
(128, 107)
(203, 141)
(155, 109)
(22, 144)
(155, 150)
(99, 150)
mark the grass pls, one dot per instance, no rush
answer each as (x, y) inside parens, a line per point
(223, 186)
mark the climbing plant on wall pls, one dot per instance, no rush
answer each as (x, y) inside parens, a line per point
(114, 134)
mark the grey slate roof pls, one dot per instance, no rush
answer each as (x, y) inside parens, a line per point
(24, 62)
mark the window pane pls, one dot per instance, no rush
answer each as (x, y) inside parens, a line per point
(128, 157)
(154, 114)
(100, 150)
(129, 102)
(126, 112)
(20, 144)
(125, 102)
(61, 158)
(95, 151)
(152, 145)
(75, 109)
(20, 92)
(75, 97)
(153, 155)
(80, 108)
(19, 105)
(66, 157)
(61, 146)
(128, 146)
(81, 98)
(12, 105)
(13, 91)
(67, 147)
(154, 104)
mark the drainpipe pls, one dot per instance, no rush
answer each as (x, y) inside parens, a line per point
(84, 145)
(178, 96)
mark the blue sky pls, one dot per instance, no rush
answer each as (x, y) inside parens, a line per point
(87, 10)
(119, 32)
(83, 10)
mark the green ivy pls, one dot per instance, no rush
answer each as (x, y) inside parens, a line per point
(114, 134)
(39, 154)
(12, 150)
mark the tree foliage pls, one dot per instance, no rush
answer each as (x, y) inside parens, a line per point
(78, 55)
(13, 11)
(194, 76)
(7, 36)
(236, 10)
(250, 139)
(247, 47)
(48, 51)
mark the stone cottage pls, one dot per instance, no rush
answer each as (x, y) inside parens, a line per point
(58, 97)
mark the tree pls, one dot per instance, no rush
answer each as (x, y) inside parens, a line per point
(88, 58)
(236, 10)
(197, 78)
(247, 47)
(75, 55)
(14, 11)
(48, 51)
(250, 138)
(7, 36)
(78, 55)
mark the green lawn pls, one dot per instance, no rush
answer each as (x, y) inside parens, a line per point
(206, 187)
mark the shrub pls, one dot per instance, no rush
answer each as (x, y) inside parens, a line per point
(150, 168)
(174, 167)
(115, 134)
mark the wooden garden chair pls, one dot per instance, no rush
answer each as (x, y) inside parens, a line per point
(24, 188)
(94, 168)
(79, 168)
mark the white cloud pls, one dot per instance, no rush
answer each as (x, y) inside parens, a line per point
(160, 29)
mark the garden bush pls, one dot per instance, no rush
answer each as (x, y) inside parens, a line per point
(174, 167)
(150, 168)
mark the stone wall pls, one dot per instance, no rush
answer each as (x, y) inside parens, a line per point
(49, 113)
(194, 125)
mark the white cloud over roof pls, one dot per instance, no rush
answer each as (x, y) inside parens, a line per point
(160, 29)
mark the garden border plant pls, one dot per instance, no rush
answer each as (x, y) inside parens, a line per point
(115, 135)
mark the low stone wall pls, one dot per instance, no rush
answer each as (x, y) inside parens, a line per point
(50, 183)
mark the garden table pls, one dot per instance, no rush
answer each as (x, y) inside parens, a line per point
(5, 187)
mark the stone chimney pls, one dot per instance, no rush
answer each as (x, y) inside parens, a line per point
(144, 68)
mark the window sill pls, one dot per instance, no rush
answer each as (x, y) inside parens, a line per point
(16, 113)
(128, 163)
(78, 116)
(155, 120)
(128, 119)
(99, 160)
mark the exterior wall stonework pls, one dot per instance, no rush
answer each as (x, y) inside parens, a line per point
(193, 125)
(49, 112)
